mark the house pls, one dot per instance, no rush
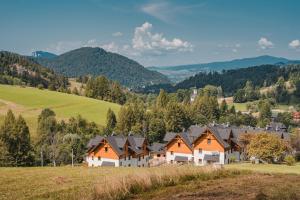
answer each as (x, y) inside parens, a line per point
(117, 151)
(213, 144)
(296, 117)
(198, 145)
(157, 154)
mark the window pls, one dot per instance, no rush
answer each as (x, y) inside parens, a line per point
(208, 141)
(120, 163)
(200, 160)
(200, 150)
(178, 144)
(92, 157)
(171, 161)
(143, 156)
(99, 158)
(158, 155)
(106, 149)
(129, 158)
(139, 158)
(172, 153)
(129, 165)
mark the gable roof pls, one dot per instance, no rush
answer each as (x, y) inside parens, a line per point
(184, 137)
(215, 132)
(157, 147)
(117, 143)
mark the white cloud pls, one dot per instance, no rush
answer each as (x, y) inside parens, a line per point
(117, 34)
(234, 50)
(166, 11)
(159, 10)
(294, 44)
(112, 47)
(264, 43)
(146, 41)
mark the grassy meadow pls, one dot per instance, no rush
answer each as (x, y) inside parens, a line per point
(238, 181)
(30, 101)
(266, 168)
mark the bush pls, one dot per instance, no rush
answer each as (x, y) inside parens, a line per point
(232, 159)
(290, 160)
(40, 86)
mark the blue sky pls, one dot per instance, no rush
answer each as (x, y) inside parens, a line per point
(155, 33)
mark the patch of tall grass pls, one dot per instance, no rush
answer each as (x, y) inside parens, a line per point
(121, 187)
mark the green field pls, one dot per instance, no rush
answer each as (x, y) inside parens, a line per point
(266, 168)
(30, 101)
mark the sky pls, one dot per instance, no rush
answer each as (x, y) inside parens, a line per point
(152, 32)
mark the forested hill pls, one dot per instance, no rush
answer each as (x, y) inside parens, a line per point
(21, 70)
(179, 73)
(97, 61)
(231, 80)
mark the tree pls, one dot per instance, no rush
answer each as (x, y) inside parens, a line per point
(285, 118)
(47, 135)
(267, 147)
(5, 158)
(131, 117)
(111, 121)
(162, 99)
(24, 153)
(265, 113)
(207, 106)
(223, 107)
(176, 117)
(75, 91)
(15, 141)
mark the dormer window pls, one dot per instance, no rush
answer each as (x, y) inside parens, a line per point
(178, 144)
(209, 141)
(106, 149)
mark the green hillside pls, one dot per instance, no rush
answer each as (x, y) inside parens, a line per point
(30, 101)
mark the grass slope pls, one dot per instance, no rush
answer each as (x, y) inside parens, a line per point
(30, 101)
(165, 182)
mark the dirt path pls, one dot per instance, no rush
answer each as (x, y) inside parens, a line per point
(255, 186)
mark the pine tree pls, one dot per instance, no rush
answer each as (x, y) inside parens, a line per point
(23, 152)
(111, 121)
(162, 99)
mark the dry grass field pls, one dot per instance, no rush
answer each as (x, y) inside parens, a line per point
(168, 182)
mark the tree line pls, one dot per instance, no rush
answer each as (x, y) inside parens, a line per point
(20, 70)
(56, 143)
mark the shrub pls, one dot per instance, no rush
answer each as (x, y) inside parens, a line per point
(290, 160)
(40, 86)
(232, 159)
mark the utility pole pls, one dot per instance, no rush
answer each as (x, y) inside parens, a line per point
(42, 159)
(72, 158)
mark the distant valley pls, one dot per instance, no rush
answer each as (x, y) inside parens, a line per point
(182, 72)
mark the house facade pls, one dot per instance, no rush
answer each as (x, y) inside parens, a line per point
(118, 151)
(199, 146)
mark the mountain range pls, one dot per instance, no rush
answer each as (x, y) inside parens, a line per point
(97, 61)
(179, 73)
(43, 54)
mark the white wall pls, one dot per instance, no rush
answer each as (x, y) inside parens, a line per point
(198, 156)
(170, 157)
(97, 163)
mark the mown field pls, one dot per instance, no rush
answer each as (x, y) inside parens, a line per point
(30, 101)
(168, 182)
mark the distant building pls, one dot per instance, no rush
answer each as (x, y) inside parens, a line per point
(296, 117)
(194, 94)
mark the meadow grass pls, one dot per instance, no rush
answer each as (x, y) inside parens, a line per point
(266, 168)
(30, 101)
(97, 183)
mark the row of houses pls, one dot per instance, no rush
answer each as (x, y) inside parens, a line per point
(199, 145)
